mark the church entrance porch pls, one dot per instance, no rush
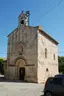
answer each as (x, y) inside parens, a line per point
(20, 69)
(21, 73)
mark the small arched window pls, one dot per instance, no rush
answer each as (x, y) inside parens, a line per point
(22, 48)
(45, 52)
(54, 56)
(47, 70)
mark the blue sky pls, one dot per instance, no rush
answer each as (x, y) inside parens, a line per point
(52, 23)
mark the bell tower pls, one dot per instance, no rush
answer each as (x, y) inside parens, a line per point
(23, 18)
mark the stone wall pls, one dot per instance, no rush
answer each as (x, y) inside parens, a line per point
(29, 44)
(46, 66)
(26, 37)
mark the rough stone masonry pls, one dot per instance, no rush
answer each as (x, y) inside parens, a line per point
(32, 53)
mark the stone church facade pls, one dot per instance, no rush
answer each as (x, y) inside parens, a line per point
(32, 53)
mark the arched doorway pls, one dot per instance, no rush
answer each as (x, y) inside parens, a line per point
(20, 69)
(21, 73)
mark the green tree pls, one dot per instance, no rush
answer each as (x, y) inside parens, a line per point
(61, 64)
(1, 66)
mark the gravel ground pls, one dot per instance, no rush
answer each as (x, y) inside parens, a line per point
(20, 89)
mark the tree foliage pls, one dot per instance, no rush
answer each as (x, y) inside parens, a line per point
(1, 66)
(61, 64)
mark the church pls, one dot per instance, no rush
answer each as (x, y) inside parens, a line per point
(32, 54)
